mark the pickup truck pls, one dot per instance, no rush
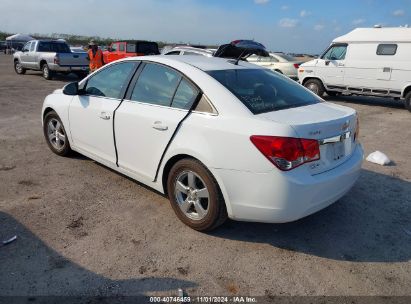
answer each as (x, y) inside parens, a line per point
(122, 49)
(50, 57)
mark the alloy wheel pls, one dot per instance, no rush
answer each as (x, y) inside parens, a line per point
(56, 134)
(192, 195)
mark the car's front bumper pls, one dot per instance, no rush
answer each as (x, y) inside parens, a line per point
(278, 197)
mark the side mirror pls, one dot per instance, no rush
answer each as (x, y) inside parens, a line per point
(327, 62)
(71, 89)
(109, 49)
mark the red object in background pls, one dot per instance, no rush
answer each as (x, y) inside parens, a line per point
(124, 49)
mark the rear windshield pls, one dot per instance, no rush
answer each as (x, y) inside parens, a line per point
(262, 90)
(54, 47)
(146, 48)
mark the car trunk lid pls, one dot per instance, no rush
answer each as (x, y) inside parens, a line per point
(332, 125)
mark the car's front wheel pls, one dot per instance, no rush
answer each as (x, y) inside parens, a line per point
(55, 134)
(195, 195)
(315, 86)
(19, 68)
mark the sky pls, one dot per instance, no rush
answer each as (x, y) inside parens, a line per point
(281, 25)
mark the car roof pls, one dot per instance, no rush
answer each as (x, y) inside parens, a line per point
(201, 62)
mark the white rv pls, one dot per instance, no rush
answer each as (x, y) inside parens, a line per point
(366, 61)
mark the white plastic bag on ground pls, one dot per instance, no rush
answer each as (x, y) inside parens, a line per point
(379, 158)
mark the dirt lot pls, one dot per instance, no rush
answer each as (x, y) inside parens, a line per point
(86, 230)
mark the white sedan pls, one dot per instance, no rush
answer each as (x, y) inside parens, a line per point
(219, 137)
(278, 62)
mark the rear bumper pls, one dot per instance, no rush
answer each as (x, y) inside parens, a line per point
(59, 68)
(279, 197)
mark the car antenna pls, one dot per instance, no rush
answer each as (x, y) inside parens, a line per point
(239, 57)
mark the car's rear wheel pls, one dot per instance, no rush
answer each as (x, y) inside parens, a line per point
(47, 74)
(315, 86)
(195, 195)
(19, 68)
(407, 101)
(55, 134)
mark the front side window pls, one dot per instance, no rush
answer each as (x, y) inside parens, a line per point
(26, 47)
(110, 81)
(114, 47)
(262, 90)
(387, 49)
(336, 52)
(156, 85)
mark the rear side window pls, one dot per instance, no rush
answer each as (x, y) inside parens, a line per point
(156, 85)
(174, 53)
(122, 48)
(185, 95)
(54, 47)
(387, 49)
(147, 48)
(191, 53)
(131, 48)
(262, 90)
(110, 81)
(33, 44)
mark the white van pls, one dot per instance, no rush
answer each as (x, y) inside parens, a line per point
(366, 61)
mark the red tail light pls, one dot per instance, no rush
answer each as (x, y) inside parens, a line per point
(287, 153)
(296, 65)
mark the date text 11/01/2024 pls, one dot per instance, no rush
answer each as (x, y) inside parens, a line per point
(203, 299)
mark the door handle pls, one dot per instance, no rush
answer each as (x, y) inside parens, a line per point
(158, 125)
(341, 64)
(105, 115)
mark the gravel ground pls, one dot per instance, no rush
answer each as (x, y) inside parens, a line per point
(86, 230)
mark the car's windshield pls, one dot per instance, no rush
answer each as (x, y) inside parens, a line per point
(55, 47)
(262, 90)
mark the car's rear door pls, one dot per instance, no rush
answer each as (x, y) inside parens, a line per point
(91, 114)
(149, 116)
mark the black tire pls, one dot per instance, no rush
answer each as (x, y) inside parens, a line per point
(315, 86)
(64, 149)
(47, 73)
(18, 68)
(407, 101)
(216, 213)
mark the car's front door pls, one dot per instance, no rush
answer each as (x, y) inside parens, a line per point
(148, 117)
(91, 114)
(32, 55)
(331, 66)
(24, 54)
